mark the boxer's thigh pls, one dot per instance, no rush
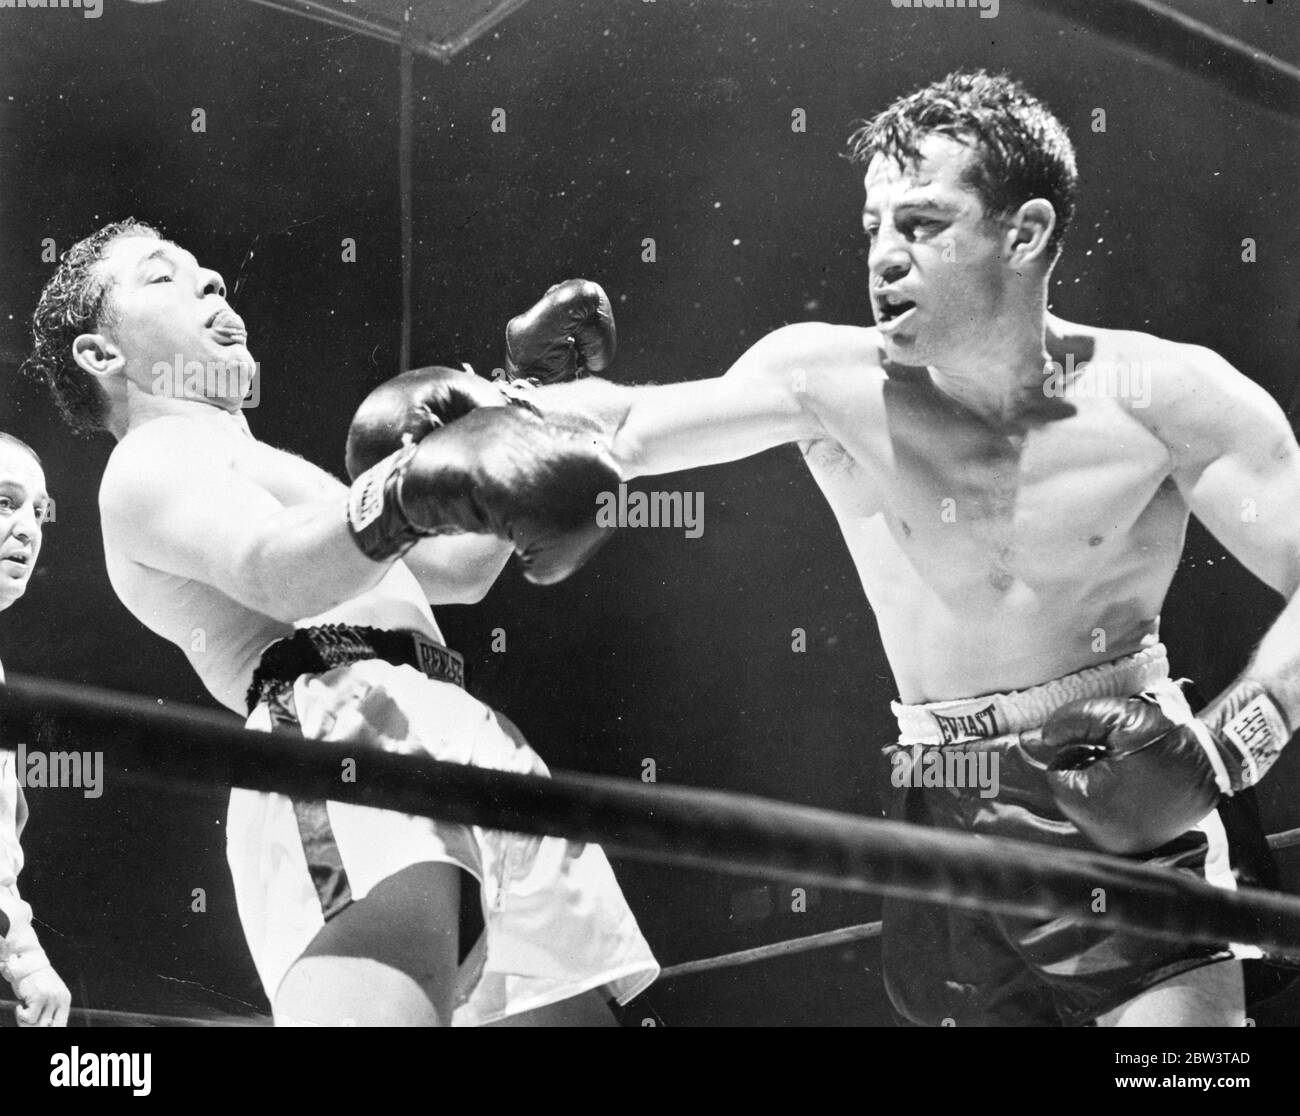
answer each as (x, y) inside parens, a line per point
(389, 959)
(1211, 996)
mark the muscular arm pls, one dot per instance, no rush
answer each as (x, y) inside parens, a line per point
(457, 569)
(761, 402)
(173, 502)
(1237, 464)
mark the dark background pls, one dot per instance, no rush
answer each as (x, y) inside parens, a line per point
(625, 120)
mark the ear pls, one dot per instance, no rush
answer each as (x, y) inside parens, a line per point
(97, 354)
(1030, 231)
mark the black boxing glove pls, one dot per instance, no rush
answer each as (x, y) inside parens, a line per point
(1133, 774)
(569, 333)
(413, 403)
(497, 470)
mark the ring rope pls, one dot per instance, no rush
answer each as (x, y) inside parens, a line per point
(1190, 46)
(695, 828)
(858, 932)
(108, 1017)
(1287, 839)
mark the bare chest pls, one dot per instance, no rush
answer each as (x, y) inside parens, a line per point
(972, 507)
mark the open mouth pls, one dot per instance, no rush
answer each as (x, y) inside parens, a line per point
(17, 560)
(229, 327)
(891, 309)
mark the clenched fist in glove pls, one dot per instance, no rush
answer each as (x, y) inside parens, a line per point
(569, 333)
(1134, 773)
(503, 471)
(415, 403)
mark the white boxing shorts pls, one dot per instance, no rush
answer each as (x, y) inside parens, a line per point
(556, 922)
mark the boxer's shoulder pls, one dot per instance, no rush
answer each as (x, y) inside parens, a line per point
(1175, 370)
(181, 456)
(837, 373)
(825, 348)
(165, 434)
(165, 443)
(829, 369)
(1178, 391)
(1194, 400)
(164, 461)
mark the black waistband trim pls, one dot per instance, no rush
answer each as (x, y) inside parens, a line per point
(314, 650)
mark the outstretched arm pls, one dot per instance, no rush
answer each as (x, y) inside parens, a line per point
(762, 401)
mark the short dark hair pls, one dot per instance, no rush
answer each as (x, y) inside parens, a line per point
(1021, 150)
(22, 446)
(74, 301)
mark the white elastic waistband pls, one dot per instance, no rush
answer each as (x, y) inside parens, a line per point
(947, 722)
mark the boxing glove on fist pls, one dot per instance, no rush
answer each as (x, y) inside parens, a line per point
(498, 470)
(413, 403)
(1133, 774)
(568, 333)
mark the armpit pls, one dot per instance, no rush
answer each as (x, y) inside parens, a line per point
(827, 454)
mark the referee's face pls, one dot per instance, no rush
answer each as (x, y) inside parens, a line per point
(24, 506)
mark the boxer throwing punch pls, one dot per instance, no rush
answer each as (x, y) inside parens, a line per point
(1016, 519)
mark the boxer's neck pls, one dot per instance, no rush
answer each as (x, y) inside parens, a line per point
(141, 407)
(1001, 378)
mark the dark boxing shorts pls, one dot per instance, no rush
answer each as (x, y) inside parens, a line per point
(945, 966)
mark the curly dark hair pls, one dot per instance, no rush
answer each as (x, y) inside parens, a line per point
(75, 301)
(1021, 150)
